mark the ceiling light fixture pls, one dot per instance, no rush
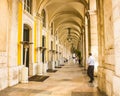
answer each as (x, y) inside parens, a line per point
(69, 35)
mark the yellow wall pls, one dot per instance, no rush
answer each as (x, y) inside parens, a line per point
(19, 31)
(35, 41)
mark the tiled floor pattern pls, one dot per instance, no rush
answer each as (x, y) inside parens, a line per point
(70, 80)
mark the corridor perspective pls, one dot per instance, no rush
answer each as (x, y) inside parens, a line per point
(38, 37)
(70, 80)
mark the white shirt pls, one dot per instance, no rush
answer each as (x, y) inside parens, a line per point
(91, 60)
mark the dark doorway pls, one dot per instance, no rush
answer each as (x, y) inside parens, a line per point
(51, 51)
(43, 52)
(26, 38)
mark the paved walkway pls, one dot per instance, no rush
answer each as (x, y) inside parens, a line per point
(70, 80)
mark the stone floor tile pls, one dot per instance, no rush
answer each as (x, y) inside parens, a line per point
(70, 80)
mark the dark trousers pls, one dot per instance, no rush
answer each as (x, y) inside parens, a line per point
(90, 72)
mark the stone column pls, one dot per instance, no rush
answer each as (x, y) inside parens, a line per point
(86, 41)
(53, 53)
(84, 44)
(93, 32)
(106, 48)
(58, 55)
(93, 28)
(116, 25)
(61, 57)
(53, 61)
(83, 47)
(55, 58)
(101, 76)
(45, 63)
(39, 65)
(12, 17)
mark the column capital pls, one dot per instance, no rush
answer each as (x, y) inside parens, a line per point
(39, 16)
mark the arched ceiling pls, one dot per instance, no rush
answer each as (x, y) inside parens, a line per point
(65, 14)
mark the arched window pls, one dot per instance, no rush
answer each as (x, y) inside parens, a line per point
(43, 18)
(51, 28)
(28, 6)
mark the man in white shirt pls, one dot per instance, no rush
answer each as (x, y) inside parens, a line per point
(90, 70)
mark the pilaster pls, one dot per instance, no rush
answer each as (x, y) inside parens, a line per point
(116, 23)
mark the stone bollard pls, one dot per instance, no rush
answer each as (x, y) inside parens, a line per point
(39, 71)
(57, 63)
(45, 67)
(53, 65)
(24, 75)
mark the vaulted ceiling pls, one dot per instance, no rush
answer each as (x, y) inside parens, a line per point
(65, 14)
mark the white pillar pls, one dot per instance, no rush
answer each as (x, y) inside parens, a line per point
(116, 23)
(39, 67)
(86, 40)
(93, 32)
(24, 75)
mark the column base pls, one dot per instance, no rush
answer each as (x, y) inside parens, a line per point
(45, 68)
(24, 75)
(53, 65)
(24, 81)
(39, 71)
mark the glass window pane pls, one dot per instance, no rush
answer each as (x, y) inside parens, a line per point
(28, 5)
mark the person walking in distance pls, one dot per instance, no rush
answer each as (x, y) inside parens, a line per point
(90, 70)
